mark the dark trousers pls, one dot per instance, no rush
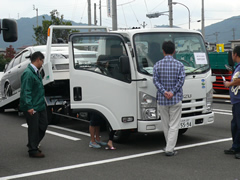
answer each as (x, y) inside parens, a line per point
(235, 127)
(37, 126)
(111, 135)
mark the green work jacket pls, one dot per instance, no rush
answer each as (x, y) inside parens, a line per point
(32, 91)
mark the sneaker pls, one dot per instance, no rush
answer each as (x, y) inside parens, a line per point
(94, 145)
(101, 143)
(237, 155)
(230, 151)
(173, 153)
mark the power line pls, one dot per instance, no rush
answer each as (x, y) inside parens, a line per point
(83, 12)
(124, 16)
(158, 5)
(134, 14)
(146, 5)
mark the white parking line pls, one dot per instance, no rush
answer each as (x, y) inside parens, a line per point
(57, 134)
(70, 130)
(230, 114)
(222, 111)
(108, 160)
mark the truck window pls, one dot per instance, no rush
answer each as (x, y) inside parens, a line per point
(100, 54)
(189, 46)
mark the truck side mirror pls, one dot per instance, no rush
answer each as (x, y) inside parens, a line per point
(230, 60)
(124, 65)
(9, 28)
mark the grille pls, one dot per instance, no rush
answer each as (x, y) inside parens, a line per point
(192, 107)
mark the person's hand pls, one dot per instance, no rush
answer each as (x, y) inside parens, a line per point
(227, 84)
(31, 111)
(168, 95)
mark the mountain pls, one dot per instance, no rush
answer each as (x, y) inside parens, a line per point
(26, 33)
(221, 31)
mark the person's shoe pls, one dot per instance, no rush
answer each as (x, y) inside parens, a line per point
(237, 155)
(173, 153)
(230, 151)
(101, 143)
(36, 155)
(94, 145)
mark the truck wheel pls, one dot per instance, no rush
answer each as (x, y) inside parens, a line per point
(52, 118)
(182, 131)
(121, 136)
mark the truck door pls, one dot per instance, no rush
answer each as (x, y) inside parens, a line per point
(97, 81)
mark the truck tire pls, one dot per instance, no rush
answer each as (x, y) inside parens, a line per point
(182, 131)
(121, 136)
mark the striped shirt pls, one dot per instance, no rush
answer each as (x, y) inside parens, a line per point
(169, 75)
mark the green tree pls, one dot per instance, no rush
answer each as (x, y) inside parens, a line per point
(7, 57)
(3, 62)
(40, 32)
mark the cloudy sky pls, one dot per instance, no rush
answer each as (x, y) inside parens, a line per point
(130, 12)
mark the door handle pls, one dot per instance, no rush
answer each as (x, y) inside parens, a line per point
(19, 66)
(77, 93)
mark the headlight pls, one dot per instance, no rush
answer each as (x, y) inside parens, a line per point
(209, 100)
(148, 105)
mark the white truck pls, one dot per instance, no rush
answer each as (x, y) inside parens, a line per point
(110, 73)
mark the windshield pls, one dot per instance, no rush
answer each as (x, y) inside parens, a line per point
(190, 50)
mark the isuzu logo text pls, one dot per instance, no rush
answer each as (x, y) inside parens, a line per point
(187, 96)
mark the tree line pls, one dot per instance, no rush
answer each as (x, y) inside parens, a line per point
(40, 36)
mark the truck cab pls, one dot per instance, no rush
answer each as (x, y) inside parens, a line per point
(115, 79)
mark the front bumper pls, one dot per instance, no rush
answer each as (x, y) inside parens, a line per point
(156, 125)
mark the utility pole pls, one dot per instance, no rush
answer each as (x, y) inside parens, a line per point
(216, 34)
(100, 12)
(170, 13)
(95, 14)
(114, 15)
(36, 13)
(233, 33)
(89, 13)
(203, 26)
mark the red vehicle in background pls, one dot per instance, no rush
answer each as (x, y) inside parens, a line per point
(222, 65)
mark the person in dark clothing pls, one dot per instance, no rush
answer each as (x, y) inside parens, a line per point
(234, 87)
(32, 103)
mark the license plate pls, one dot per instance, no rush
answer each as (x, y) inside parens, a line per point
(185, 123)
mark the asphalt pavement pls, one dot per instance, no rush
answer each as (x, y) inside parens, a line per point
(69, 157)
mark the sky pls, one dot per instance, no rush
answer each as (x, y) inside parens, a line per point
(130, 13)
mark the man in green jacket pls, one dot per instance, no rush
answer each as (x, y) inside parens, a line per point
(32, 103)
